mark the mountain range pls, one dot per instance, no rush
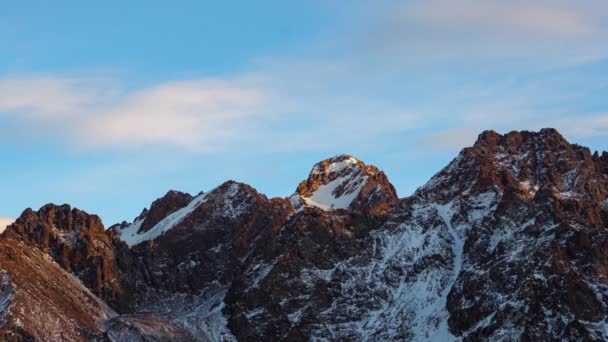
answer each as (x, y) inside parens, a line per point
(508, 242)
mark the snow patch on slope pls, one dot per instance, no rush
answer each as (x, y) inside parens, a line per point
(326, 197)
(200, 314)
(131, 237)
(206, 319)
(414, 264)
(400, 294)
(438, 309)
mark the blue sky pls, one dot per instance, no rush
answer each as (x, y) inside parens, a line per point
(107, 106)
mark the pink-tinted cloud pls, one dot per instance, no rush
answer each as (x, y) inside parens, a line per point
(195, 113)
(4, 222)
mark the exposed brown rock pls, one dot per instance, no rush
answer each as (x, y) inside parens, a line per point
(47, 303)
(162, 207)
(75, 240)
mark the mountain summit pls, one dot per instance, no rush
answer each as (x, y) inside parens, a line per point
(507, 242)
(344, 182)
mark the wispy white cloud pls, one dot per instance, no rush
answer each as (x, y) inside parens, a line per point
(44, 96)
(195, 113)
(337, 93)
(199, 113)
(205, 114)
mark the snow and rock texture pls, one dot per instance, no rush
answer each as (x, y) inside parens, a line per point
(506, 243)
(163, 207)
(145, 229)
(334, 183)
(344, 182)
(145, 327)
(184, 274)
(7, 293)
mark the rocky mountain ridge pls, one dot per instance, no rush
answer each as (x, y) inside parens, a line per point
(508, 242)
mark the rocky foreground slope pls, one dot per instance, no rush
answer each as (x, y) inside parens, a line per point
(508, 242)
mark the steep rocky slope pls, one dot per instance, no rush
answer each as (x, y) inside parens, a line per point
(40, 301)
(508, 242)
(185, 271)
(75, 240)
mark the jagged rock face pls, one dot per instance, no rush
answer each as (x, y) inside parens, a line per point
(541, 249)
(344, 182)
(162, 207)
(279, 284)
(520, 273)
(202, 247)
(75, 240)
(542, 161)
(193, 263)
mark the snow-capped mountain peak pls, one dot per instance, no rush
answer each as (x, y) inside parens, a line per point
(229, 200)
(341, 182)
(507, 242)
(132, 234)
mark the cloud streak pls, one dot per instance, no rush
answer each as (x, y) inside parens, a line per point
(303, 109)
(469, 31)
(200, 113)
(491, 18)
(195, 113)
(44, 96)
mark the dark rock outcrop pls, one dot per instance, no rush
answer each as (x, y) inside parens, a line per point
(344, 182)
(162, 207)
(78, 242)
